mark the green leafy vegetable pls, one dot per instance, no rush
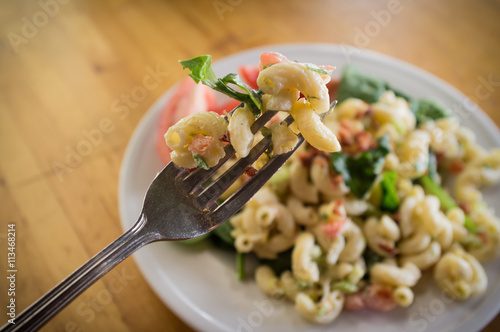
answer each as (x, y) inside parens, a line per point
(195, 239)
(201, 70)
(371, 258)
(265, 131)
(390, 199)
(428, 110)
(356, 85)
(200, 162)
(447, 202)
(470, 225)
(360, 171)
(345, 287)
(433, 188)
(281, 176)
(317, 69)
(223, 232)
(397, 92)
(282, 263)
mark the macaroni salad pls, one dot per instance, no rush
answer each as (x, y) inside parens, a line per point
(359, 212)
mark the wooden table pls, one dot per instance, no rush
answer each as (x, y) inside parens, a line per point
(65, 65)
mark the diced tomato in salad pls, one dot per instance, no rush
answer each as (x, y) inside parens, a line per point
(332, 228)
(249, 75)
(374, 296)
(200, 143)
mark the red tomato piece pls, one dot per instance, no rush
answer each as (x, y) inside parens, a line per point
(200, 143)
(378, 297)
(332, 228)
(271, 58)
(249, 75)
(224, 108)
(354, 302)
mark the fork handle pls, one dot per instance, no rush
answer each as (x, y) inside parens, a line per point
(36, 315)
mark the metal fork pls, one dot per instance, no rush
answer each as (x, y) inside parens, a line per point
(177, 206)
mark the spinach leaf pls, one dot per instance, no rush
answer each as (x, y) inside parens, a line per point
(223, 232)
(390, 199)
(282, 263)
(360, 171)
(201, 70)
(428, 110)
(371, 258)
(356, 85)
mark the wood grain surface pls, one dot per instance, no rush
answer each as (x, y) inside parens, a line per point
(65, 65)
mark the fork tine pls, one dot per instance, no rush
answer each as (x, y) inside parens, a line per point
(197, 177)
(262, 120)
(220, 185)
(249, 188)
(236, 201)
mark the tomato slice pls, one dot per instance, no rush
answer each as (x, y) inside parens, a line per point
(225, 108)
(271, 58)
(249, 75)
(188, 98)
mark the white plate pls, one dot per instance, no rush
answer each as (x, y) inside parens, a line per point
(199, 283)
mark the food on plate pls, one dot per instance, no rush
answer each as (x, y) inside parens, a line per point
(361, 211)
(286, 86)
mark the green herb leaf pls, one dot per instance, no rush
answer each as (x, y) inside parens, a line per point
(431, 187)
(200, 162)
(428, 110)
(195, 239)
(390, 199)
(281, 176)
(201, 70)
(318, 70)
(282, 263)
(360, 171)
(345, 287)
(356, 85)
(223, 232)
(236, 80)
(265, 131)
(470, 225)
(371, 258)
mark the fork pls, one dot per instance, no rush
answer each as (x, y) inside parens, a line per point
(177, 206)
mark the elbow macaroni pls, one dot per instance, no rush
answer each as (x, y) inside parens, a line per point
(460, 275)
(179, 138)
(241, 136)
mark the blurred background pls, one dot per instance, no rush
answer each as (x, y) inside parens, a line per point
(66, 65)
